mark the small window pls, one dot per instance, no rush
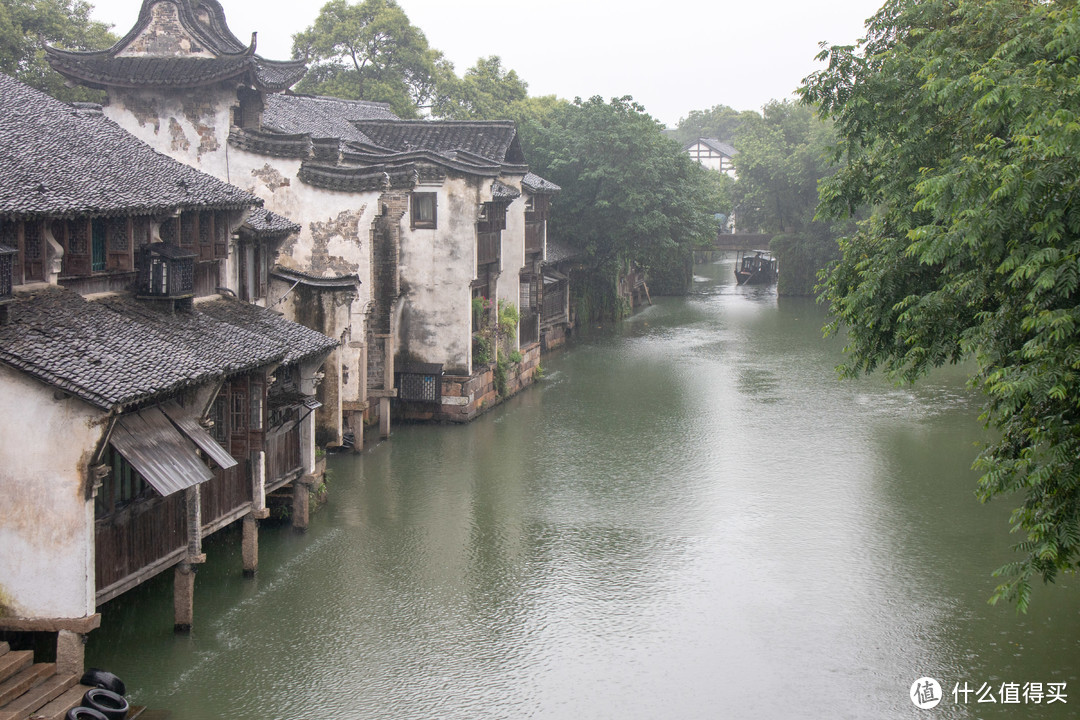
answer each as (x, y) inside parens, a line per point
(530, 204)
(424, 210)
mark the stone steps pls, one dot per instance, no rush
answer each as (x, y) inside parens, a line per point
(33, 691)
(48, 687)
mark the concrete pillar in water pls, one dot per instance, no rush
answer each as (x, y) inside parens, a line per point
(301, 503)
(184, 597)
(356, 422)
(250, 545)
(70, 653)
(384, 417)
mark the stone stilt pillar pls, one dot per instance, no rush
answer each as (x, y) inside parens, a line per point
(250, 547)
(356, 422)
(301, 504)
(384, 417)
(70, 653)
(184, 597)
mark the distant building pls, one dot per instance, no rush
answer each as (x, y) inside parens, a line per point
(714, 155)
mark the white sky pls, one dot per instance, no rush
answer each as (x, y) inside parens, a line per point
(672, 56)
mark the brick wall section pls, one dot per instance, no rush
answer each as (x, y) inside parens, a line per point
(386, 245)
(466, 397)
(376, 362)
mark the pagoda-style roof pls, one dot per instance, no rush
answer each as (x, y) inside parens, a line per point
(178, 44)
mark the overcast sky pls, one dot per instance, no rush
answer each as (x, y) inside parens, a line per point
(672, 56)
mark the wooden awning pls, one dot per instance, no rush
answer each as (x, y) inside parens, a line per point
(198, 435)
(159, 452)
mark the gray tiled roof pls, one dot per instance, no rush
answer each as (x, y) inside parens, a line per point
(299, 342)
(559, 251)
(501, 192)
(261, 222)
(538, 185)
(107, 68)
(118, 351)
(321, 117)
(59, 160)
(496, 141)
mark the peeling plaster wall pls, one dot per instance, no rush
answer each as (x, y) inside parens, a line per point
(189, 126)
(46, 522)
(437, 267)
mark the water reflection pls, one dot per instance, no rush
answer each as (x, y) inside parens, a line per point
(691, 517)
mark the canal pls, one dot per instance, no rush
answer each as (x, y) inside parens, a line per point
(690, 517)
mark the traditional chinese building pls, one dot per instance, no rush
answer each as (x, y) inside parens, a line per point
(403, 223)
(143, 406)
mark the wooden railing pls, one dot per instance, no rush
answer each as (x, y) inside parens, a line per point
(554, 308)
(283, 452)
(137, 536)
(229, 491)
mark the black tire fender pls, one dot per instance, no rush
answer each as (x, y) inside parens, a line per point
(106, 702)
(95, 677)
(84, 713)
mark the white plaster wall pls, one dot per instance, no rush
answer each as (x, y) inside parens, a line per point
(192, 127)
(46, 523)
(437, 268)
(513, 255)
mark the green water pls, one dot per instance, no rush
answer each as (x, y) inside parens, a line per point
(690, 517)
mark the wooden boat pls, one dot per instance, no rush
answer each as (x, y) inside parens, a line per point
(756, 267)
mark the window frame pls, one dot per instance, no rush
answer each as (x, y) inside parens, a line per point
(415, 201)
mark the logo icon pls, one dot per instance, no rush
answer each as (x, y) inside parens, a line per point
(926, 693)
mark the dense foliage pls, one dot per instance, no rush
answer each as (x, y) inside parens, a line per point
(630, 195)
(370, 51)
(960, 128)
(719, 122)
(487, 91)
(27, 26)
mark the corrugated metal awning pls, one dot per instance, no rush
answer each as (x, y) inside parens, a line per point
(190, 427)
(164, 457)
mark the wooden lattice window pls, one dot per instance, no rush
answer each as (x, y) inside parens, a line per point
(9, 235)
(74, 236)
(140, 231)
(188, 230)
(206, 236)
(118, 234)
(7, 265)
(33, 248)
(221, 236)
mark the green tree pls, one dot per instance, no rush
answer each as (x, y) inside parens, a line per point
(960, 127)
(783, 155)
(371, 52)
(487, 91)
(27, 26)
(719, 122)
(630, 195)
